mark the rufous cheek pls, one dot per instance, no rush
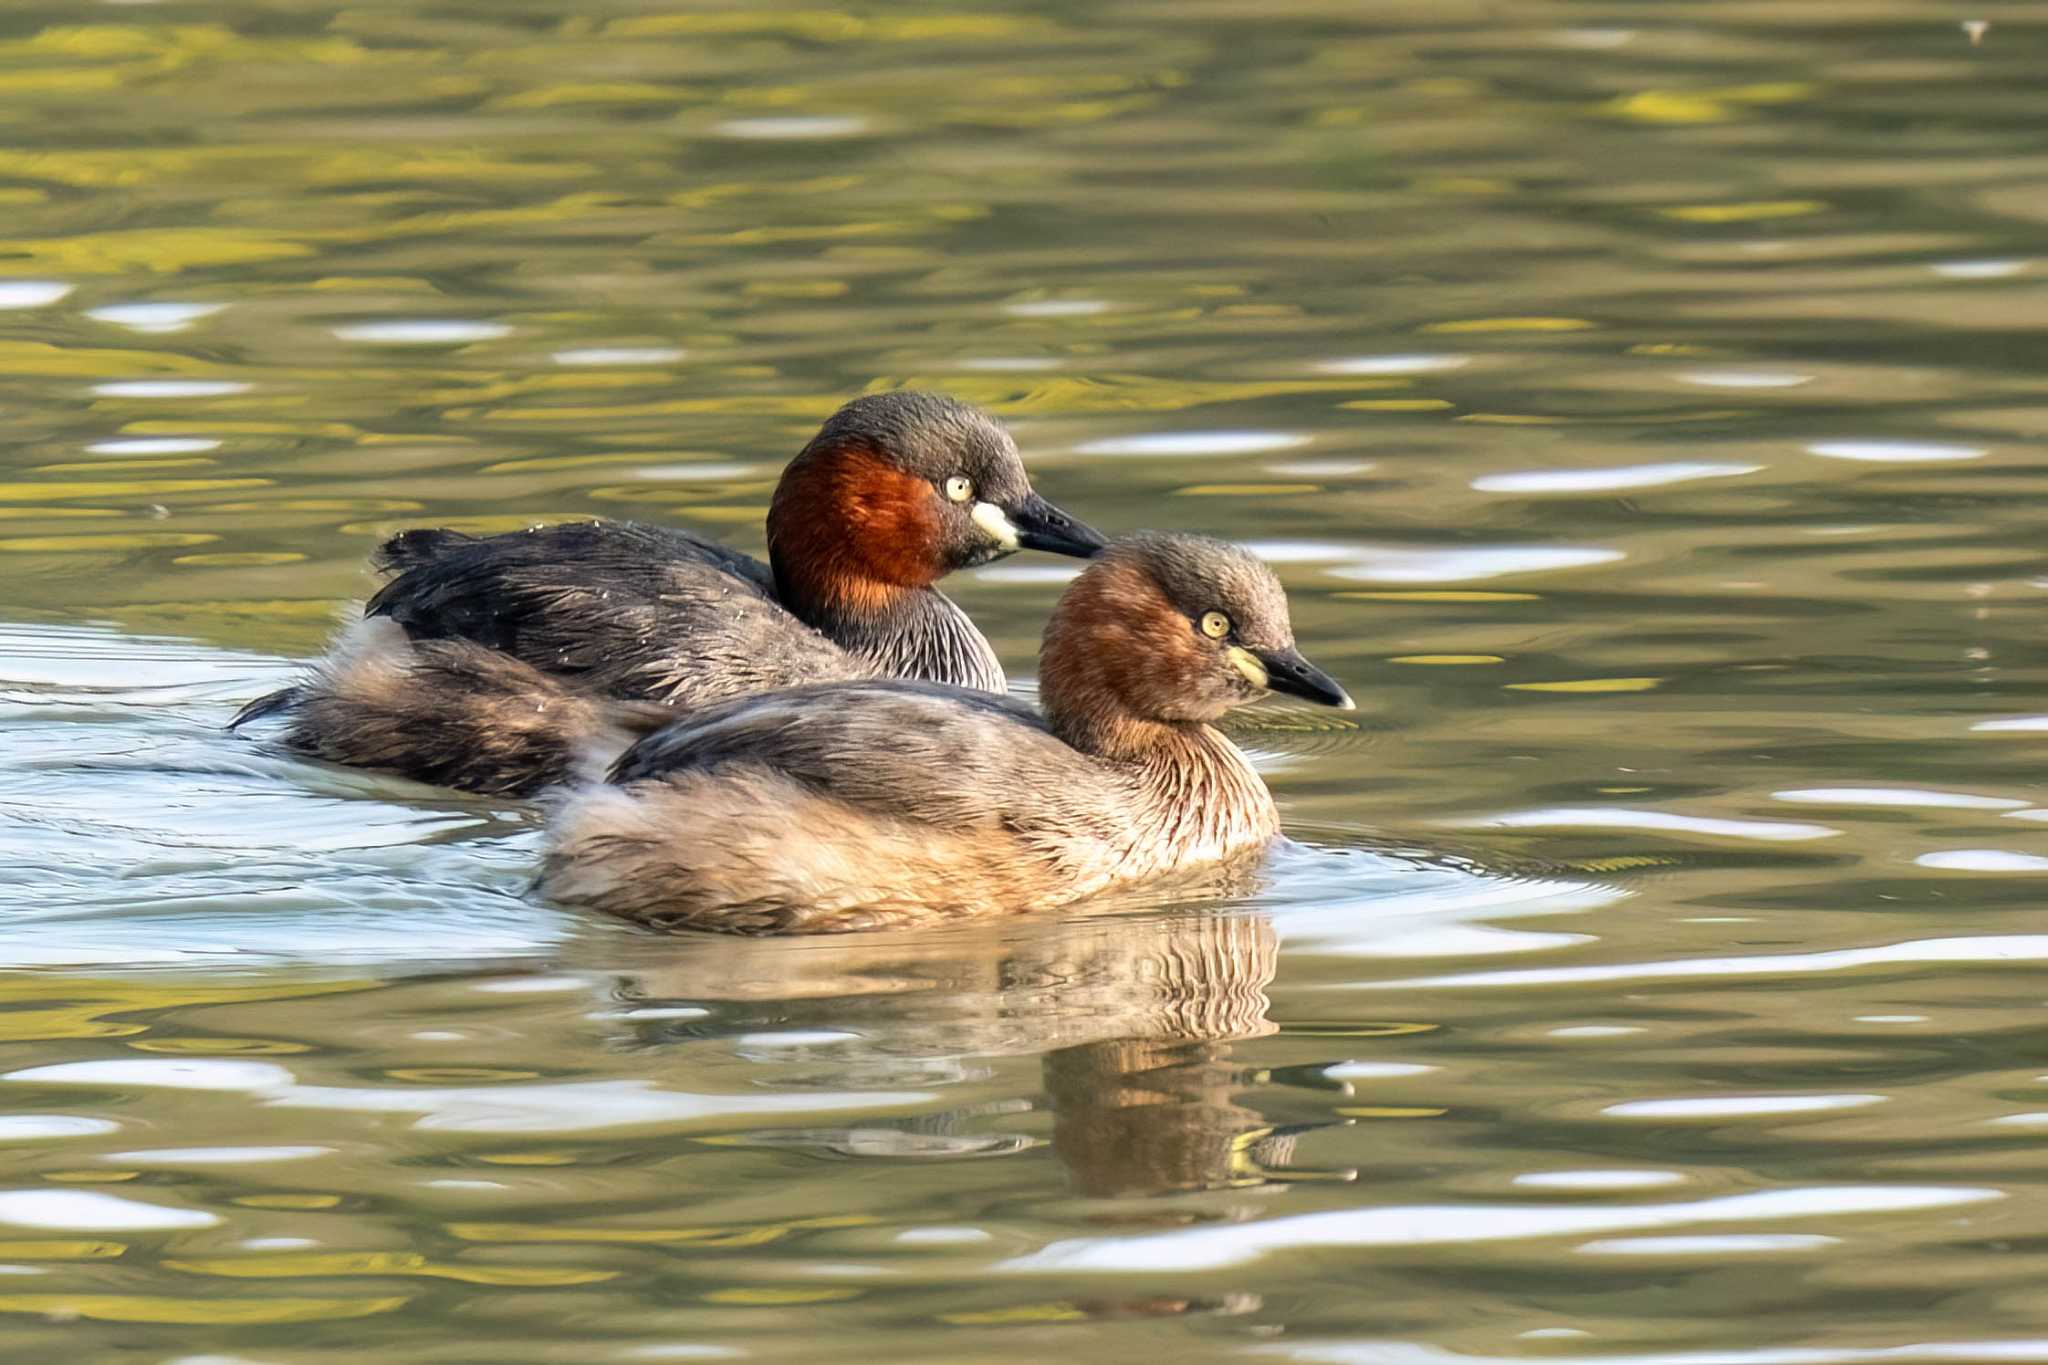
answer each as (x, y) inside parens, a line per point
(856, 524)
(1166, 665)
(893, 520)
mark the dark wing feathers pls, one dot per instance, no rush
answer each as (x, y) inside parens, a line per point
(616, 546)
(453, 586)
(410, 549)
(628, 609)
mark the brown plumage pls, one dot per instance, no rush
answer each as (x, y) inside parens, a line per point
(829, 808)
(514, 651)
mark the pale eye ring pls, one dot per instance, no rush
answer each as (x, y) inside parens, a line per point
(1215, 624)
(959, 488)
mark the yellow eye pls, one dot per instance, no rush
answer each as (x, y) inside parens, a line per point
(959, 488)
(1215, 624)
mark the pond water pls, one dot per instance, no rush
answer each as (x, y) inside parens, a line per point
(1644, 405)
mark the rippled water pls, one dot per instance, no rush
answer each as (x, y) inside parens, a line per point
(1640, 402)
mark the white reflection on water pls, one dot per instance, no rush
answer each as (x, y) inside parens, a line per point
(91, 1211)
(1598, 1180)
(1600, 480)
(43, 1127)
(566, 1107)
(1894, 796)
(1003, 364)
(793, 1038)
(154, 445)
(32, 293)
(423, 331)
(1374, 1071)
(1894, 452)
(213, 1156)
(1417, 1353)
(1982, 860)
(2019, 724)
(1320, 469)
(1303, 551)
(1392, 364)
(619, 355)
(1731, 1244)
(2002, 948)
(699, 473)
(577, 1107)
(1194, 443)
(941, 1236)
(117, 666)
(1458, 564)
(1211, 1248)
(155, 317)
(1737, 1106)
(1056, 308)
(792, 128)
(1670, 822)
(171, 388)
(1746, 379)
(531, 985)
(176, 1073)
(1979, 270)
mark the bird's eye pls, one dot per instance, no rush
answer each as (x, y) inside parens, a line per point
(959, 488)
(1215, 624)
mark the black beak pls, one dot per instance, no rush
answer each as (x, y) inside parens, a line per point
(1287, 671)
(1041, 526)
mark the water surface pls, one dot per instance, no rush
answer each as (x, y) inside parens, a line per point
(1641, 403)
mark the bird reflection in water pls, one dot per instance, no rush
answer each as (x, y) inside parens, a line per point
(1136, 1020)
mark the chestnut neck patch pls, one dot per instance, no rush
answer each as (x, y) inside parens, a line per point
(849, 532)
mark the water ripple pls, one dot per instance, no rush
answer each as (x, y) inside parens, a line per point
(1454, 1224)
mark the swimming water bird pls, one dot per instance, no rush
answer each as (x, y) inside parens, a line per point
(837, 807)
(488, 662)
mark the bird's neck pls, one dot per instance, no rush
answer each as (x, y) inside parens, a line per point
(1161, 746)
(910, 633)
(1195, 790)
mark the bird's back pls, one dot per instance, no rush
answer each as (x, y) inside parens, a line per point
(623, 609)
(922, 750)
(827, 808)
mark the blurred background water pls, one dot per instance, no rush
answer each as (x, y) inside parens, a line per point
(1643, 403)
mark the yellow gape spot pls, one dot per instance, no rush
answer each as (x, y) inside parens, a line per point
(1248, 664)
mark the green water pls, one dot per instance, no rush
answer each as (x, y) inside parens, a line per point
(1642, 402)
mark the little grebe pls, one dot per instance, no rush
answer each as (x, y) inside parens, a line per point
(488, 662)
(836, 807)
